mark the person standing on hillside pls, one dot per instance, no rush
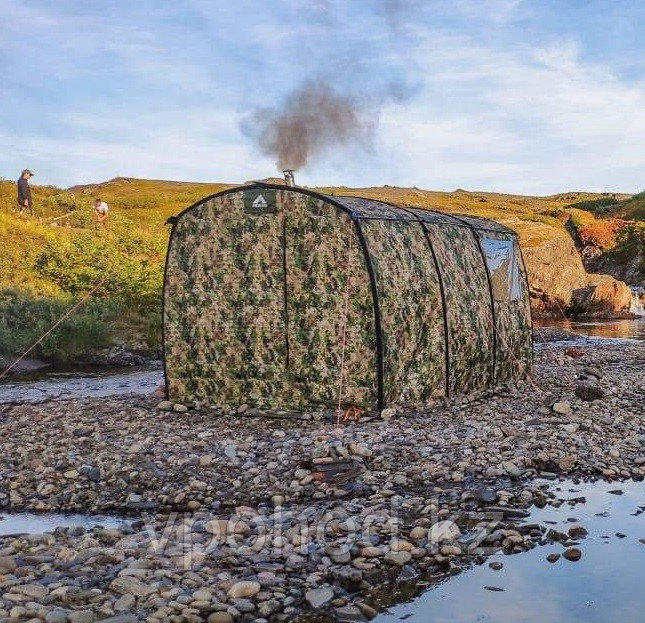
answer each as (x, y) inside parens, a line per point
(100, 214)
(24, 193)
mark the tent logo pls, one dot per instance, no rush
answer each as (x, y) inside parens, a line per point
(259, 202)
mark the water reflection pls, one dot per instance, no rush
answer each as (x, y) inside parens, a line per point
(47, 385)
(30, 523)
(605, 585)
(630, 329)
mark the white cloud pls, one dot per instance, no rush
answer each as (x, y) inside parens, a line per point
(528, 120)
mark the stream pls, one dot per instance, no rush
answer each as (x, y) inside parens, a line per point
(80, 383)
(89, 382)
(605, 585)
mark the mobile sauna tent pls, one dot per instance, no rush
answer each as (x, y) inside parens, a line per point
(273, 294)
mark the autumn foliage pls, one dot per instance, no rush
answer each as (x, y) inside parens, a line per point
(600, 233)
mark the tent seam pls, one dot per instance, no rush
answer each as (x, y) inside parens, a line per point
(377, 315)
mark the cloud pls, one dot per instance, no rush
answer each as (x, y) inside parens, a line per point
(526, 119)
(490, 97)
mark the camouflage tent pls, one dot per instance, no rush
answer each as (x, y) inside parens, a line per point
(280, 296)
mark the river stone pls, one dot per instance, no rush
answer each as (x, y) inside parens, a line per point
(7, 564)
(388, 414)
(350, 614)
(179, 408)
(399, 545)
(577, 532)
(244, 605)
(563, 407)
(36, 591)
(511, 469)
(244, 588)
(496, 565)
(567, 462)
(57, 615)
(81, 616)
(125, 603)
(340, 555)
(348, 574)
(589, 393)
(444, 531)
(398, 558)
(484, 494)
(90, 472)
(450, 550)
(220, 617)
(371, 552)
(202, 594)
(360, 449)
(319, 597)
(573, 554)
(592, 371)
(554, 557)
(129, 585)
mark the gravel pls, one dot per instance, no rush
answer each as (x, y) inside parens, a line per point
(240, 516)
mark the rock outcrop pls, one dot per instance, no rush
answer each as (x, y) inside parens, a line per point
(558, 280)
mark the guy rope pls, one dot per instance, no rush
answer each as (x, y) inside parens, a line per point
(51, 329)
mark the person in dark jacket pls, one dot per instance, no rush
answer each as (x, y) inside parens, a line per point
(24, 193)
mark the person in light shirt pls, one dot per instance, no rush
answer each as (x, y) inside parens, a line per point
(101, 211)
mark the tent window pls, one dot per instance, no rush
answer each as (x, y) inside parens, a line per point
(504, 269)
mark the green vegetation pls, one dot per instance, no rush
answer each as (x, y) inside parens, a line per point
(630, 247)
(633, 209)
(25, 318)
(597, 206)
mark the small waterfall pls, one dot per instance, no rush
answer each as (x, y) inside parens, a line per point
(638, 300)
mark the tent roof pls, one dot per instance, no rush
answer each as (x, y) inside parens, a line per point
(361, 208)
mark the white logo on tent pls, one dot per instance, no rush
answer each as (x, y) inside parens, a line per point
(260, 202)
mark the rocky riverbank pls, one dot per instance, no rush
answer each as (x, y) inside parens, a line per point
(258, 518)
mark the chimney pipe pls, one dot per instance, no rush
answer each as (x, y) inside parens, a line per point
(289, 177)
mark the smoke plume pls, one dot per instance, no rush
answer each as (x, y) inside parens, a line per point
(312, 119)
(358, 71)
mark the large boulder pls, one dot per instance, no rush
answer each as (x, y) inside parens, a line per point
(557, 278)
(602, 294)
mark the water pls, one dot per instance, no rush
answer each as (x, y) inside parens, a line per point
(638, 300)
(36, 387)
(624, 329)
(29, 523)
(606, 585)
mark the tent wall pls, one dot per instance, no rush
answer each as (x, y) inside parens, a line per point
(468, 307)
(322, 250)
(224, 320)
(512, 310)
(412, 329)
(236, 331)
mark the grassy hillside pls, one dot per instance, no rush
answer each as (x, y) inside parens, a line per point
(49, 262)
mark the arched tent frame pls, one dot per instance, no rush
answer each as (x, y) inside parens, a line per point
(361, 212)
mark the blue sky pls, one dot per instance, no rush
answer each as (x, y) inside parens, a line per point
(505, 95)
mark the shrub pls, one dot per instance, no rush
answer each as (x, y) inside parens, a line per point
(600, 234)
(127, 267)
(24, 318)
(595, 205)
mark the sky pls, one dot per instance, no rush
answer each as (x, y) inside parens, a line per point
(522, 96)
